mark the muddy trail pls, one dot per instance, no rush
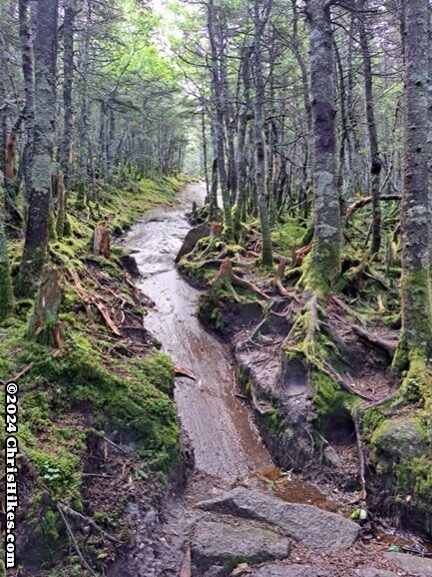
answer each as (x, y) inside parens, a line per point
(236, 502)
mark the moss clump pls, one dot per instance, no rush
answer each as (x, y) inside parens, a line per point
(328, 399)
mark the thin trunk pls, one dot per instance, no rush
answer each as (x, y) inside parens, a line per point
(260, 21)
(376, 164)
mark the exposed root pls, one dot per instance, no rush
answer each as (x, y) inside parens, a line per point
(226, 274)
(388, 346)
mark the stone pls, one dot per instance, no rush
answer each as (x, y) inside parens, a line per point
(373, 572)
(277, 570)
(306, 524)
(415, 566)
(193, 236)
(221, 544)
(400, 438)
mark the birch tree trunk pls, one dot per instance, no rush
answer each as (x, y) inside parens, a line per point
(36, 238)
(325, 263)
(415, 343)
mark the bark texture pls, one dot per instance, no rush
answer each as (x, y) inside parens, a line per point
(375, 160)
(416, 338)
(6, 292)
(36, 239)
(325, 264)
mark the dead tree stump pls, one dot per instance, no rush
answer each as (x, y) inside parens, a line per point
(44, 324)
(102, 240)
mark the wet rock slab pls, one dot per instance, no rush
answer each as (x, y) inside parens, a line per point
(220, 547)
(414, 566)
(306, 524)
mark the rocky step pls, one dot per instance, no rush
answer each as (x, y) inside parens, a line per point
(306, 524)
(217, 548)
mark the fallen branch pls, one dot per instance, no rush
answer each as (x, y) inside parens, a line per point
(365, 201)
(182, 372)
(362, 461)
(89, 521)
(84, 563)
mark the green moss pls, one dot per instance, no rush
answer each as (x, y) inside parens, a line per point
(289, 235)
(329, 399)
(6, 291)
(49, 535)
(321, 270)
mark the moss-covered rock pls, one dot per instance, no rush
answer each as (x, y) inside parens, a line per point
(400, 438)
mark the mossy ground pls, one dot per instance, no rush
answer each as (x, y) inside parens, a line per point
(97, 385)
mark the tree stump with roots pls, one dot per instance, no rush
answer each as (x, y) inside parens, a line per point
(44, 325)
(102, 240)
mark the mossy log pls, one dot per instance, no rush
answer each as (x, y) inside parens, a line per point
(44, 324)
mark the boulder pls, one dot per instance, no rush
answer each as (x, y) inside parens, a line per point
(306, 524)
(401, 438)
(216, 544)
(193, 236)
(414, 566)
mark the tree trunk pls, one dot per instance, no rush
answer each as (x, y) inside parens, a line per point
(376, 164)
(325, 264)
(260, 21)
(6, 292)
(68, 73)
(44, 325)
(36, 239)
(415, 344)
(219, 120)
(27, 56)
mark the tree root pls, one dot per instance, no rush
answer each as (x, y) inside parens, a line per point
(226, 274)
(389, 347)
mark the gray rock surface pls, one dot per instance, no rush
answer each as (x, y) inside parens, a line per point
(277, 570)
(217, 543)
(305, 523)
(414, 566)
(373, 572)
